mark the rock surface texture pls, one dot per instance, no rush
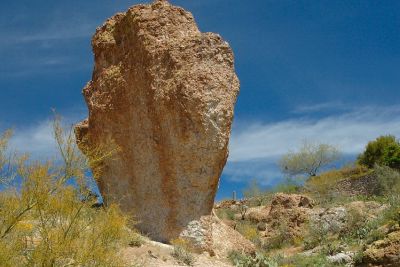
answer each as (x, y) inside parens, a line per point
(384, 252)
(289, 212)
(164, 93)
(212, 235)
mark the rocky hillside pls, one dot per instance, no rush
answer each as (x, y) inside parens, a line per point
(354, 227)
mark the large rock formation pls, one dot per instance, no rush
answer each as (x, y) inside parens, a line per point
(164, 93)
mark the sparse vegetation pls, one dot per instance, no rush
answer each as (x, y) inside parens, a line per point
(46, 214)
(309, 160)
(254, 193)
(259, 260)
(182, 252)
(346, 222)
(248, 230)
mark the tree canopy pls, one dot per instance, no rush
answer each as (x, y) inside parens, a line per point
(309, 159)
(384, 151)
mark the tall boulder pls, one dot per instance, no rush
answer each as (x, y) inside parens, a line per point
(164, 93)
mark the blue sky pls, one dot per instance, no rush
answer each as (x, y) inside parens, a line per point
(327, 71)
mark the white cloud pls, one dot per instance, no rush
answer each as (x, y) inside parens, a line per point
(38, 139)
(265, 171)
(349, 131)
(255, 149)
(327, 106)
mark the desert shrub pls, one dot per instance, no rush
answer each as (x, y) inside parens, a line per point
(323, 186)
(288, 187)
(391, 215)
(385, 150)
(254, 194)
(355, 222)
(388, 180)
(281, 237)
(332, 247)
(300, 260)
(183, 256)
(309, 159)
(368, 231)
(135, 239)
(225, 214)
(182, 252)
(248, 230)
(243, 208)
(316, 234)
(259, 260)
(46, 215)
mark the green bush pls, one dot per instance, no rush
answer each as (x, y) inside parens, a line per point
(392, 156)
(225, 214)
(248, 230)
(388, 180)
(300, 260)
(385, 150)
(316, 235)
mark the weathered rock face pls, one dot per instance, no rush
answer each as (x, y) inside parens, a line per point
(290, 211)
(164, 93)
(384, 252)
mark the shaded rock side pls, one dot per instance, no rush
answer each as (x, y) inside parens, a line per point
(164, 93)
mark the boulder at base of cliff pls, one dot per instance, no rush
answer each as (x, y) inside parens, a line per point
(210, 234)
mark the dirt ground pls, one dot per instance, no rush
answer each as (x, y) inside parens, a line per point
(154, 254)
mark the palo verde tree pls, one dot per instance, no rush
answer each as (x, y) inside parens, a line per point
(47, 216)
(309, 159)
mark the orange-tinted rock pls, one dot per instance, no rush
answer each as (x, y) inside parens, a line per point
(385, 252)
(164, 93)
(288, 212)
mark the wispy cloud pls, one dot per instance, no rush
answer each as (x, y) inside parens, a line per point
(328, 106)
(38, 139)
(56, 28)
(53, 34)
(349, 131)
(265, 171)
(256, 149)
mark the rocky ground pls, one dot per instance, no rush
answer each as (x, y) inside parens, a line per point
(294, 226)
(290, 230)
(155, 254)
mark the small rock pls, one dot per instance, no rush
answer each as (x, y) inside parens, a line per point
(262, 226)
(341, 258)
